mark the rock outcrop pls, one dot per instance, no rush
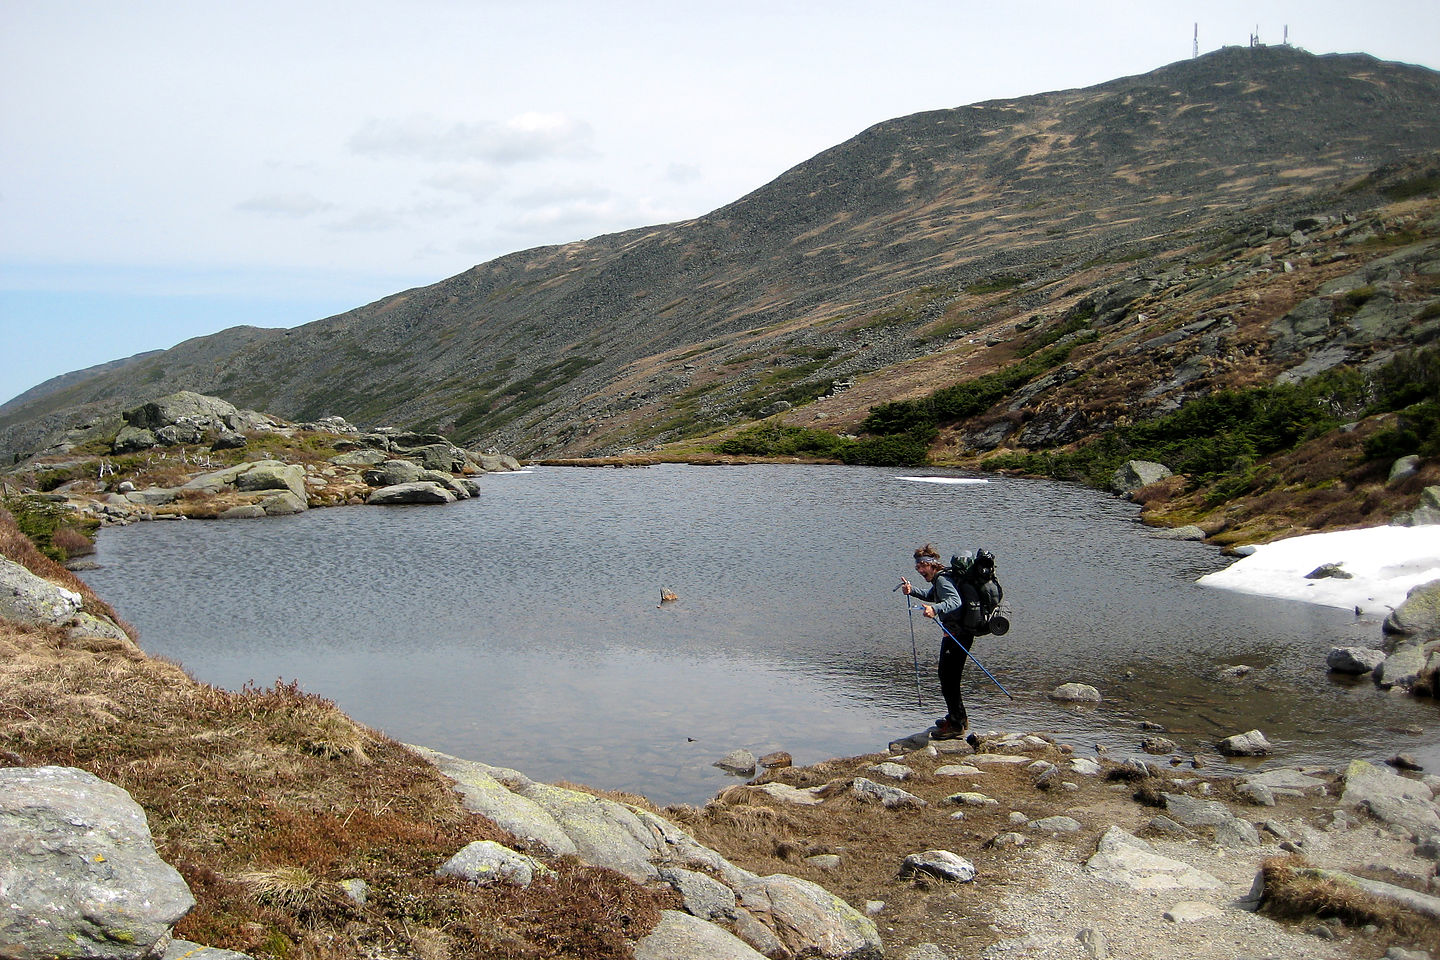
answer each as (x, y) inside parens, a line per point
(78, 870)
(757, 913)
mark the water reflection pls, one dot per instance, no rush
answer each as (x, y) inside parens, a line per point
(524, 627)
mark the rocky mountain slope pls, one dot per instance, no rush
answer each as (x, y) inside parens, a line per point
(925, 251)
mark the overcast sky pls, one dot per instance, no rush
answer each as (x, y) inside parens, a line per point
(170, 169)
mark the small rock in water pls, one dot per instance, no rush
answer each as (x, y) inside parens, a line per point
(1404, 761)
(777, 759)
(1076, 693)
(1354, 660)
(1249, 744)
(1157, 745)
(737, 761)
(1236, 672)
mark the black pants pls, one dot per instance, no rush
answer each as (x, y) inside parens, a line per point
(952, 663)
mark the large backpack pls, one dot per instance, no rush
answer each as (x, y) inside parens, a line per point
(974, 578)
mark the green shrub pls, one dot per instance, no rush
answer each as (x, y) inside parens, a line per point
(56, 532)
(777, 440)
(959, 401)
(1220, 438)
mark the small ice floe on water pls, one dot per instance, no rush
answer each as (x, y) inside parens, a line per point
(944, 479)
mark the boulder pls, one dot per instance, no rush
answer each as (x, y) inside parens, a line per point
(457, 487)
(738, 761)
(1354, 660)
(393, 472)
(1403, 469)
(229, 440)
(420, 492)
(1425, 514)
(1402, 803)
(439, 456)
(483, 794)
(251, 477)
(496, 463)
(270, 475)
(175, 434)
(895, 771)
(182, 407)
(1252, 743)
(1127, 861)
(810, 920)
(79, 870)
(803, 796)
(1306, 325)
(704, 896)
(1076, 693)
(1419, 614)
(26, 598)
(1056, 824)
(131, 439)
(1290, 783)
(1194, 812)
(246, 511)
(1188, 532)
(366, 457)
(871, 792)
(485, 862)
(1402, 668)
(1134, 474)
(605, 833)
(778, 915)
(283, 504)
(679, 936)
(938, 863)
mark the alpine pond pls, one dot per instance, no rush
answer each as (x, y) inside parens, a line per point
(525, 628)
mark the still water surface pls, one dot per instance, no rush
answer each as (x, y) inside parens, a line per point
(524, 628)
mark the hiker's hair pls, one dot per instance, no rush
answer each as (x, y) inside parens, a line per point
(928, 554)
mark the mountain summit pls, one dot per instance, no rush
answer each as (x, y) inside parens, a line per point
(911, 256)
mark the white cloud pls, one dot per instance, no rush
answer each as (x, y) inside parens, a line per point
(372, 220)
(682, 173)
(526, 138)
(285, 205)
(475, 184)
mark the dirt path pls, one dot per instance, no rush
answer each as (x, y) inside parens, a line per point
(1034, 895)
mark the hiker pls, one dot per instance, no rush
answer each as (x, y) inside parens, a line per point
(942, 599)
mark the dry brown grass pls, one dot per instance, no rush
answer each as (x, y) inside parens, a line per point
(266, 799)
(1295, 892)
(16, 547)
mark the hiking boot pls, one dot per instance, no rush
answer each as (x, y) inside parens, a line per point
(946, 730)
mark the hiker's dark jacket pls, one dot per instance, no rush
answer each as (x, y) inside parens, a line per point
(946, 599)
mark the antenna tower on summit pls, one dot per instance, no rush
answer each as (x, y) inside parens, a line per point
(1195, 45)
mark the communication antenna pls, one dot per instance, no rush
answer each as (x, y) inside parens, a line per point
(1195, 46)
(1286, 40)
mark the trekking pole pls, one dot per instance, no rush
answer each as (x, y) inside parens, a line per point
(914, 653)
(976, 659)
